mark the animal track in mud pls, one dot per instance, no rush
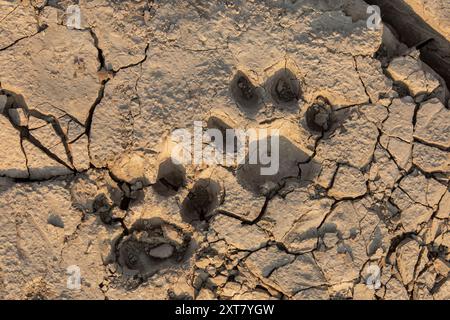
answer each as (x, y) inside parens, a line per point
(250, 174)
(227, 144)
(102, 207)
(284, 87)
(151, 245)
(201, 201)
(244, 92)
(319, 116)
(171, 177)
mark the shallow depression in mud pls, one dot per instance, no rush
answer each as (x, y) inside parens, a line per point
(201, 201)
(244, 92)
(319, 116)
(228, 143)
(151, 245)
(258, 175)
(284, 88)
(171, 177)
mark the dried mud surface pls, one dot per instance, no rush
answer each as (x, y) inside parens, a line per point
(86, 179)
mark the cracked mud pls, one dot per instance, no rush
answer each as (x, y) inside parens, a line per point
(87, 181)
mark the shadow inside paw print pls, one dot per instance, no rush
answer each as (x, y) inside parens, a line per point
(285, 165)
(229, 143)
(284, 88)
(245, 93)
(201, 201)
(171, 177)
(320, 115)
